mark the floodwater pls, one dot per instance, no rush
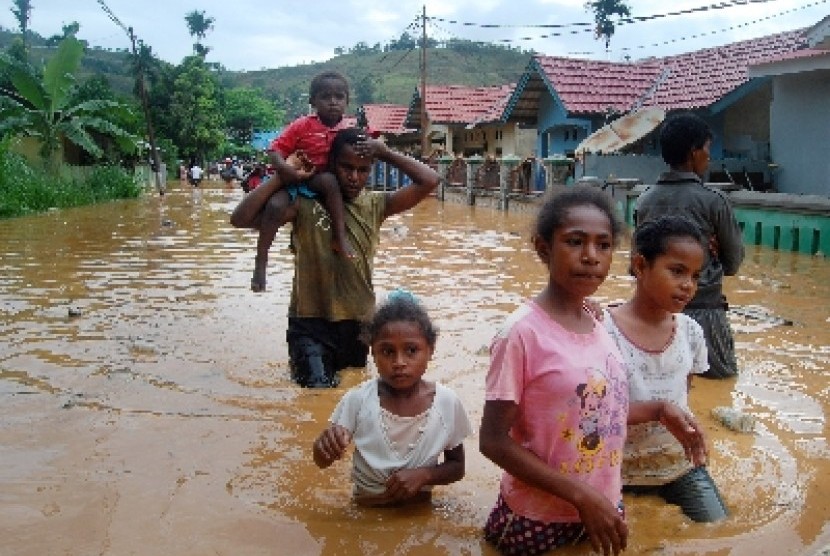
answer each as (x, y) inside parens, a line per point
(146, 405)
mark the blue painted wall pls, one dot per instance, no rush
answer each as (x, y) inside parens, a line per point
(554, 122)
(261, 139)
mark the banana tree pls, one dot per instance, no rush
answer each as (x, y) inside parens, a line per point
(42, 107)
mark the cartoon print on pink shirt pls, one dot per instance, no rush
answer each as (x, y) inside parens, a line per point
(592, 396)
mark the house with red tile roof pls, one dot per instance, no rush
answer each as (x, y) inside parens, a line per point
(467, 121)
(389, 121)
(568, 99)
(800, 114)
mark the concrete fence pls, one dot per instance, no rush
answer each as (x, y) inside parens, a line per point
(797, 223)
(784, 222)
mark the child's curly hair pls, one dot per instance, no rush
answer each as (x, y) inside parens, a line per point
(400, 305)
(680, 134)
(651, 239)
(319, 80)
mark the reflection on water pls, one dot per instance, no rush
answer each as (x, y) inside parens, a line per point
(146, 395)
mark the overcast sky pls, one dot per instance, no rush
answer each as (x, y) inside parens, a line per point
(252, 35)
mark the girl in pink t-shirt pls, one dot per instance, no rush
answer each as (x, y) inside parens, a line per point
(557, 397)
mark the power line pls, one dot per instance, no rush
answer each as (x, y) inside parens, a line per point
(112, 16)
(375, 77)
(575, 28)
(592, 24)
(413, 25)
(730, 28)
(142, 93)
(589, 27)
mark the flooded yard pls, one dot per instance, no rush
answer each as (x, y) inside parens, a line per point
(146, 406)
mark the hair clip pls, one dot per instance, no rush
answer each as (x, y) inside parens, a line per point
(402, 295)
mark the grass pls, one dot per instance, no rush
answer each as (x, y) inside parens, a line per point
(25, 189)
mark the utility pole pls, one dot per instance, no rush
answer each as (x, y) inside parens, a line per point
(142, 93)
(424, 136)
(151, 136)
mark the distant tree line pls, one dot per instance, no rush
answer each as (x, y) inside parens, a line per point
(194, 115)
(407, 42)
(198, 113)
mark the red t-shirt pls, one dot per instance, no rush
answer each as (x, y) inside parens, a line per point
(310, 135)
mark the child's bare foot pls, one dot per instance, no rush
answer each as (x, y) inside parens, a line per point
(258, 280)
(343, 249)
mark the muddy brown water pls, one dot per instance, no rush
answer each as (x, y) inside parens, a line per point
(146, 406)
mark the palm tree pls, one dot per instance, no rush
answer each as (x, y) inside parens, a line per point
(70, 29)
(198, 25)
(22, 10)
(42, 106)
(603, 10)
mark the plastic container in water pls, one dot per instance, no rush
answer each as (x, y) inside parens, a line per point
(733, 419)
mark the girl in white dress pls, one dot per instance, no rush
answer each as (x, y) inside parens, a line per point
(663, 349)
(400, 423)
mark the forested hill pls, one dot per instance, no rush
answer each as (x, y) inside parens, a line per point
(376, 76)
(393, 76)
(115, 65)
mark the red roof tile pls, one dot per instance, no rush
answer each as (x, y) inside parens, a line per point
(693, 80)
(703, 77)
(589, 86)
(456, 104)
(386, 118)
(793, 55)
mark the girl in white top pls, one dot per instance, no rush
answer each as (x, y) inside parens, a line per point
(662, 349)
(400, 423)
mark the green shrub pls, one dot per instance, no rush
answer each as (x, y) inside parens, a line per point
(25, 189)
(111, 182)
